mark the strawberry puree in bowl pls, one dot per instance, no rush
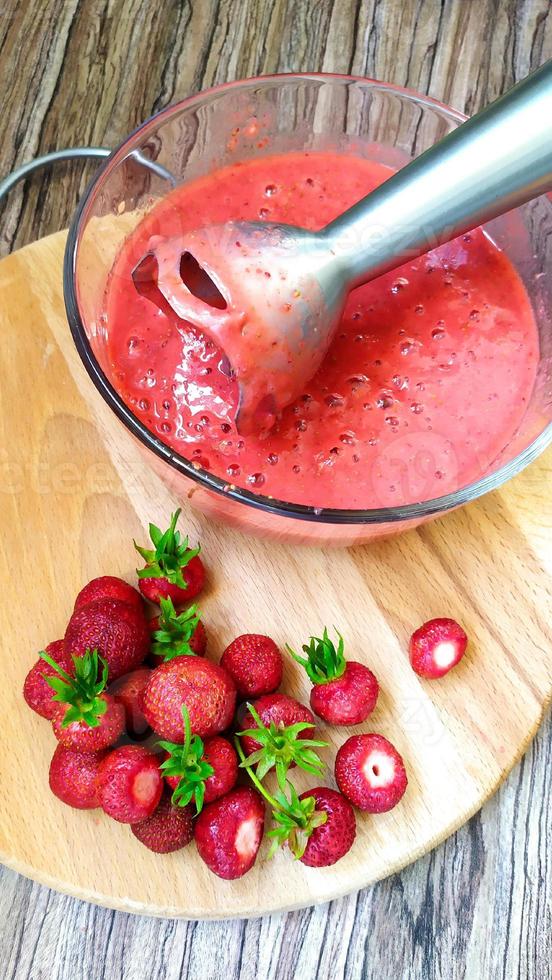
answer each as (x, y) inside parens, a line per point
(434, 388)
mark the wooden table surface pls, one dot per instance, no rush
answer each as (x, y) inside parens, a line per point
(77, 73)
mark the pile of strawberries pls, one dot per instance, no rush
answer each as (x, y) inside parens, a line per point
(139, 714)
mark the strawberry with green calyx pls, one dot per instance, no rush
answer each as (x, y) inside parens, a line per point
(281, 748)
(197, 770)
(173, 569)
(186, 763)
(319, 826)
(37, 693)
(86, 718)
(344, 691)
(176, 634)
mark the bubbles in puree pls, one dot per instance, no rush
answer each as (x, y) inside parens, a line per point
(425, 383)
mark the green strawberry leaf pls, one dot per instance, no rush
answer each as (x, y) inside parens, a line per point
(324, 662)
(81, 693)
(187, 763)
(171, 553)
(294, 819)
(281, 746)
(172, 639)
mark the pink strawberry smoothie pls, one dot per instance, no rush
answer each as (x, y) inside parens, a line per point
(424, 385)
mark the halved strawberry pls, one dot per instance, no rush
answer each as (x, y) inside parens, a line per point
(173, 570)
(228, 832)
(86, 719)
(436, 647)
(73, 777)
(199, 771)
(370, 772)
(130, 783)
(37, 692)
(345, 691)
(176, 634)
(169, 828)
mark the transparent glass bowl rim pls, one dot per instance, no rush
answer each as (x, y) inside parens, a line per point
(381, 515)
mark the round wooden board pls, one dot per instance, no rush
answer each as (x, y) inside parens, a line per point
(74, 491)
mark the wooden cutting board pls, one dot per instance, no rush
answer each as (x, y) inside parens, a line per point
(75, 490)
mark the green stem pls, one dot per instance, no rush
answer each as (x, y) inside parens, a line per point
(270, 799)
(59, 670)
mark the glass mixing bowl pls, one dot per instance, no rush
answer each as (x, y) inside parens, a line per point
(278, 114)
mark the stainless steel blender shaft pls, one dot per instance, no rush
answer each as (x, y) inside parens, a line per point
(497, 160)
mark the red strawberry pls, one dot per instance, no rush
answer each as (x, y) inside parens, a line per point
(168, 829)
(436, 647)
(176, 634)
(371, 773)
(330, 840)
(128, 690)
(173, 570)
(344, 692)
(205, 689)
(220, 754)
(73, 777)
(130, 783)
(81, 736)
(109, 587)
(86, 719)
(37, 692)
(228, 832)
(255, 663)
(197, 771)
(281, 747)
(279, 709)
(319, 826)
(117, 630)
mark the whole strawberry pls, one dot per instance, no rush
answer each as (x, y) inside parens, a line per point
(370, 772)
(130, 783)
(344, 691)
(173, 570)
(255, 663)
(169, 828)
(86, 719)
(73, 777)
(128, 691)
(329, 841)
(204, 688)
(176, 634)
(280, 710)
(116, 629)
(199, 771)
(436, 647)
(281, 747)
(37, 692)
(319, 826)
(108, 587)
(228, 833)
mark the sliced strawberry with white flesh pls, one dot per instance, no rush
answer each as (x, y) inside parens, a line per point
(436, 647)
